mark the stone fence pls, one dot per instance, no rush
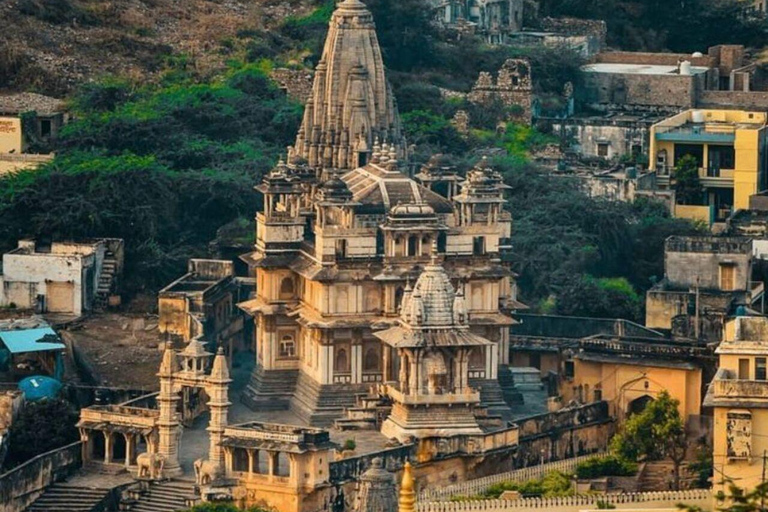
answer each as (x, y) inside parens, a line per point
(642, 500)
(22, 485)
(473, 487)
(351, 468)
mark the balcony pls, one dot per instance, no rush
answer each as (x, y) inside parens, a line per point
(468, 396)
(695, 133)
(742, 389)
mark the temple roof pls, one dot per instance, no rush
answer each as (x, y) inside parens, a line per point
(378, 189)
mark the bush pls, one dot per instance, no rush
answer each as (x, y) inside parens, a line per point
(554, 483)
(350, 445)
(39, 428)
(596, 467)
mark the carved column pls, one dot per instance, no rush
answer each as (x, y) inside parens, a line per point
(107, 447)
(218, 391)
(168, 425)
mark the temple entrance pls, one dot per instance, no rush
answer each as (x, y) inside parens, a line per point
(638, 405)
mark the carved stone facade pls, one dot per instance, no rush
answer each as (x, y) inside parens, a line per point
(351, 105)
(513, 89)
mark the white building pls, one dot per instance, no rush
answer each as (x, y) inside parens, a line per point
(64, 277)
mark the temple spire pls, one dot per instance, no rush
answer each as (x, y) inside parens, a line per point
(407, 502)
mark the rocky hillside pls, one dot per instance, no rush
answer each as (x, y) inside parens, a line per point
(52, 45)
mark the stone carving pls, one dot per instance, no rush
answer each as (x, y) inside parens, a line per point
(205, 472)
(150, 465)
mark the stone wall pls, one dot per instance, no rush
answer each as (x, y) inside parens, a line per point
(297, 83)
(745, 100)
(654, 59)
(596, 29)
(22, 485)
(563, 434)
(513, 88)
(620, 91)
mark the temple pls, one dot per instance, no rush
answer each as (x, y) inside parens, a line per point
(351, 104)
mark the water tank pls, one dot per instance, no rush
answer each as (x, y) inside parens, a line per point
(39, 387)
(697, 55)
(685, 67)
(697, 116)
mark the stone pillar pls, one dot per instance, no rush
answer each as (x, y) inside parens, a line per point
(107, 447)
(356, 363)
(413, 384)
(129, 447)
(217, 386)
(272, 463)
(168, 423)
(250, 462)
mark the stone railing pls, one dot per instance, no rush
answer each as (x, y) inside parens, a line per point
(727, 388)
(22, 485)
(479, 485)
(118, 415)
(346, 470)
(662, 499)
(467, 396)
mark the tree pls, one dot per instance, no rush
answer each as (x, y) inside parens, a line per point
(688, 189)
(656, 433)
(39, 428)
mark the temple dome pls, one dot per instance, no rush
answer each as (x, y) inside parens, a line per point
(435, 296)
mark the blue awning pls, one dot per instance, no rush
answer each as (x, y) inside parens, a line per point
(30, 340)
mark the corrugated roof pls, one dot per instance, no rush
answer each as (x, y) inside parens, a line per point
(30, 340)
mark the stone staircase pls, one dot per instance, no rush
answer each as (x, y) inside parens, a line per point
(106, 281)
(270, 390)
(370, 410)
(168, 496)
(66, 498)
(511, 394)
(659, 476)
(320, 405)
(491, 396)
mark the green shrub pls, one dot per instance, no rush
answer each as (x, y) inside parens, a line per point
(596, 467)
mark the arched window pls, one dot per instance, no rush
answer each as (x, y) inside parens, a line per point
(287, 288)
(341, 363)
(398, 298)
(413, 244)
(371, 360)
(477, 358)
(287, 346)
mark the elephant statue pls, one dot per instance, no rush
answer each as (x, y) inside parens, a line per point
(150, 465)
(205, 472)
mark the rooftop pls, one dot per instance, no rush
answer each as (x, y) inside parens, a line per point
(15, 104)
(639, 69)
(709, 244)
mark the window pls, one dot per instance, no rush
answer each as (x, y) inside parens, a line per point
(45, 128)
(341, 363)
(602, 149)
(371, 359)
(287, 346)
(743, 369)
(760, 368)
(286, 288)
(413, 243)
(569, 370)
(720, 157)
(695, 150)
(598, 395)
(341, 248)
(727, 277)
(478, 245)
(535, 361)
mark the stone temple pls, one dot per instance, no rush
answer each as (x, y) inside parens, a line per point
(351, 104)
(345, 233)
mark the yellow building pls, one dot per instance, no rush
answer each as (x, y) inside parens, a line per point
(629, 373)
(729, 146)
(739, 397)
(28, 122)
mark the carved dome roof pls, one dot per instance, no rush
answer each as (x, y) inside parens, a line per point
(431, 301)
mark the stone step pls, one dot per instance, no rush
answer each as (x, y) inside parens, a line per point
(59, 497)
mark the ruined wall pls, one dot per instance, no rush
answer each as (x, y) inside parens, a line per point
(615, 91)
(513, 88)
(621, 136)
(297, 83)
(655, 59)
(594, 30)
(741, 100)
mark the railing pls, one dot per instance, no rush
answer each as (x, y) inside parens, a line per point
(342, 378)
(665, 499)
(372, 377)
(434, 399)
(346, 470)
(732, 388)
(479, 485)
(21, 485)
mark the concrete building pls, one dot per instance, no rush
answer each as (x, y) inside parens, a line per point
(494, 20)
(729, 147)
(28, 122)
(738, 396)
(207, 293)
(705, 280)
(63, 277)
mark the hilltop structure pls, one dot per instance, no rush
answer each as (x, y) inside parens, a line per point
(352, 103)
(335, 251)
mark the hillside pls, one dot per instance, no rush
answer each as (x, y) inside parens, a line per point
(52, 45)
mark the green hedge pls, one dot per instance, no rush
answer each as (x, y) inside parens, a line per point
(596, 467)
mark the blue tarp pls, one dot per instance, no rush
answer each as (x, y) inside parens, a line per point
(39, 387)
(29, 340)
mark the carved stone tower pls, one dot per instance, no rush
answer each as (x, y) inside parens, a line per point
(351, 103)
(378, 492)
